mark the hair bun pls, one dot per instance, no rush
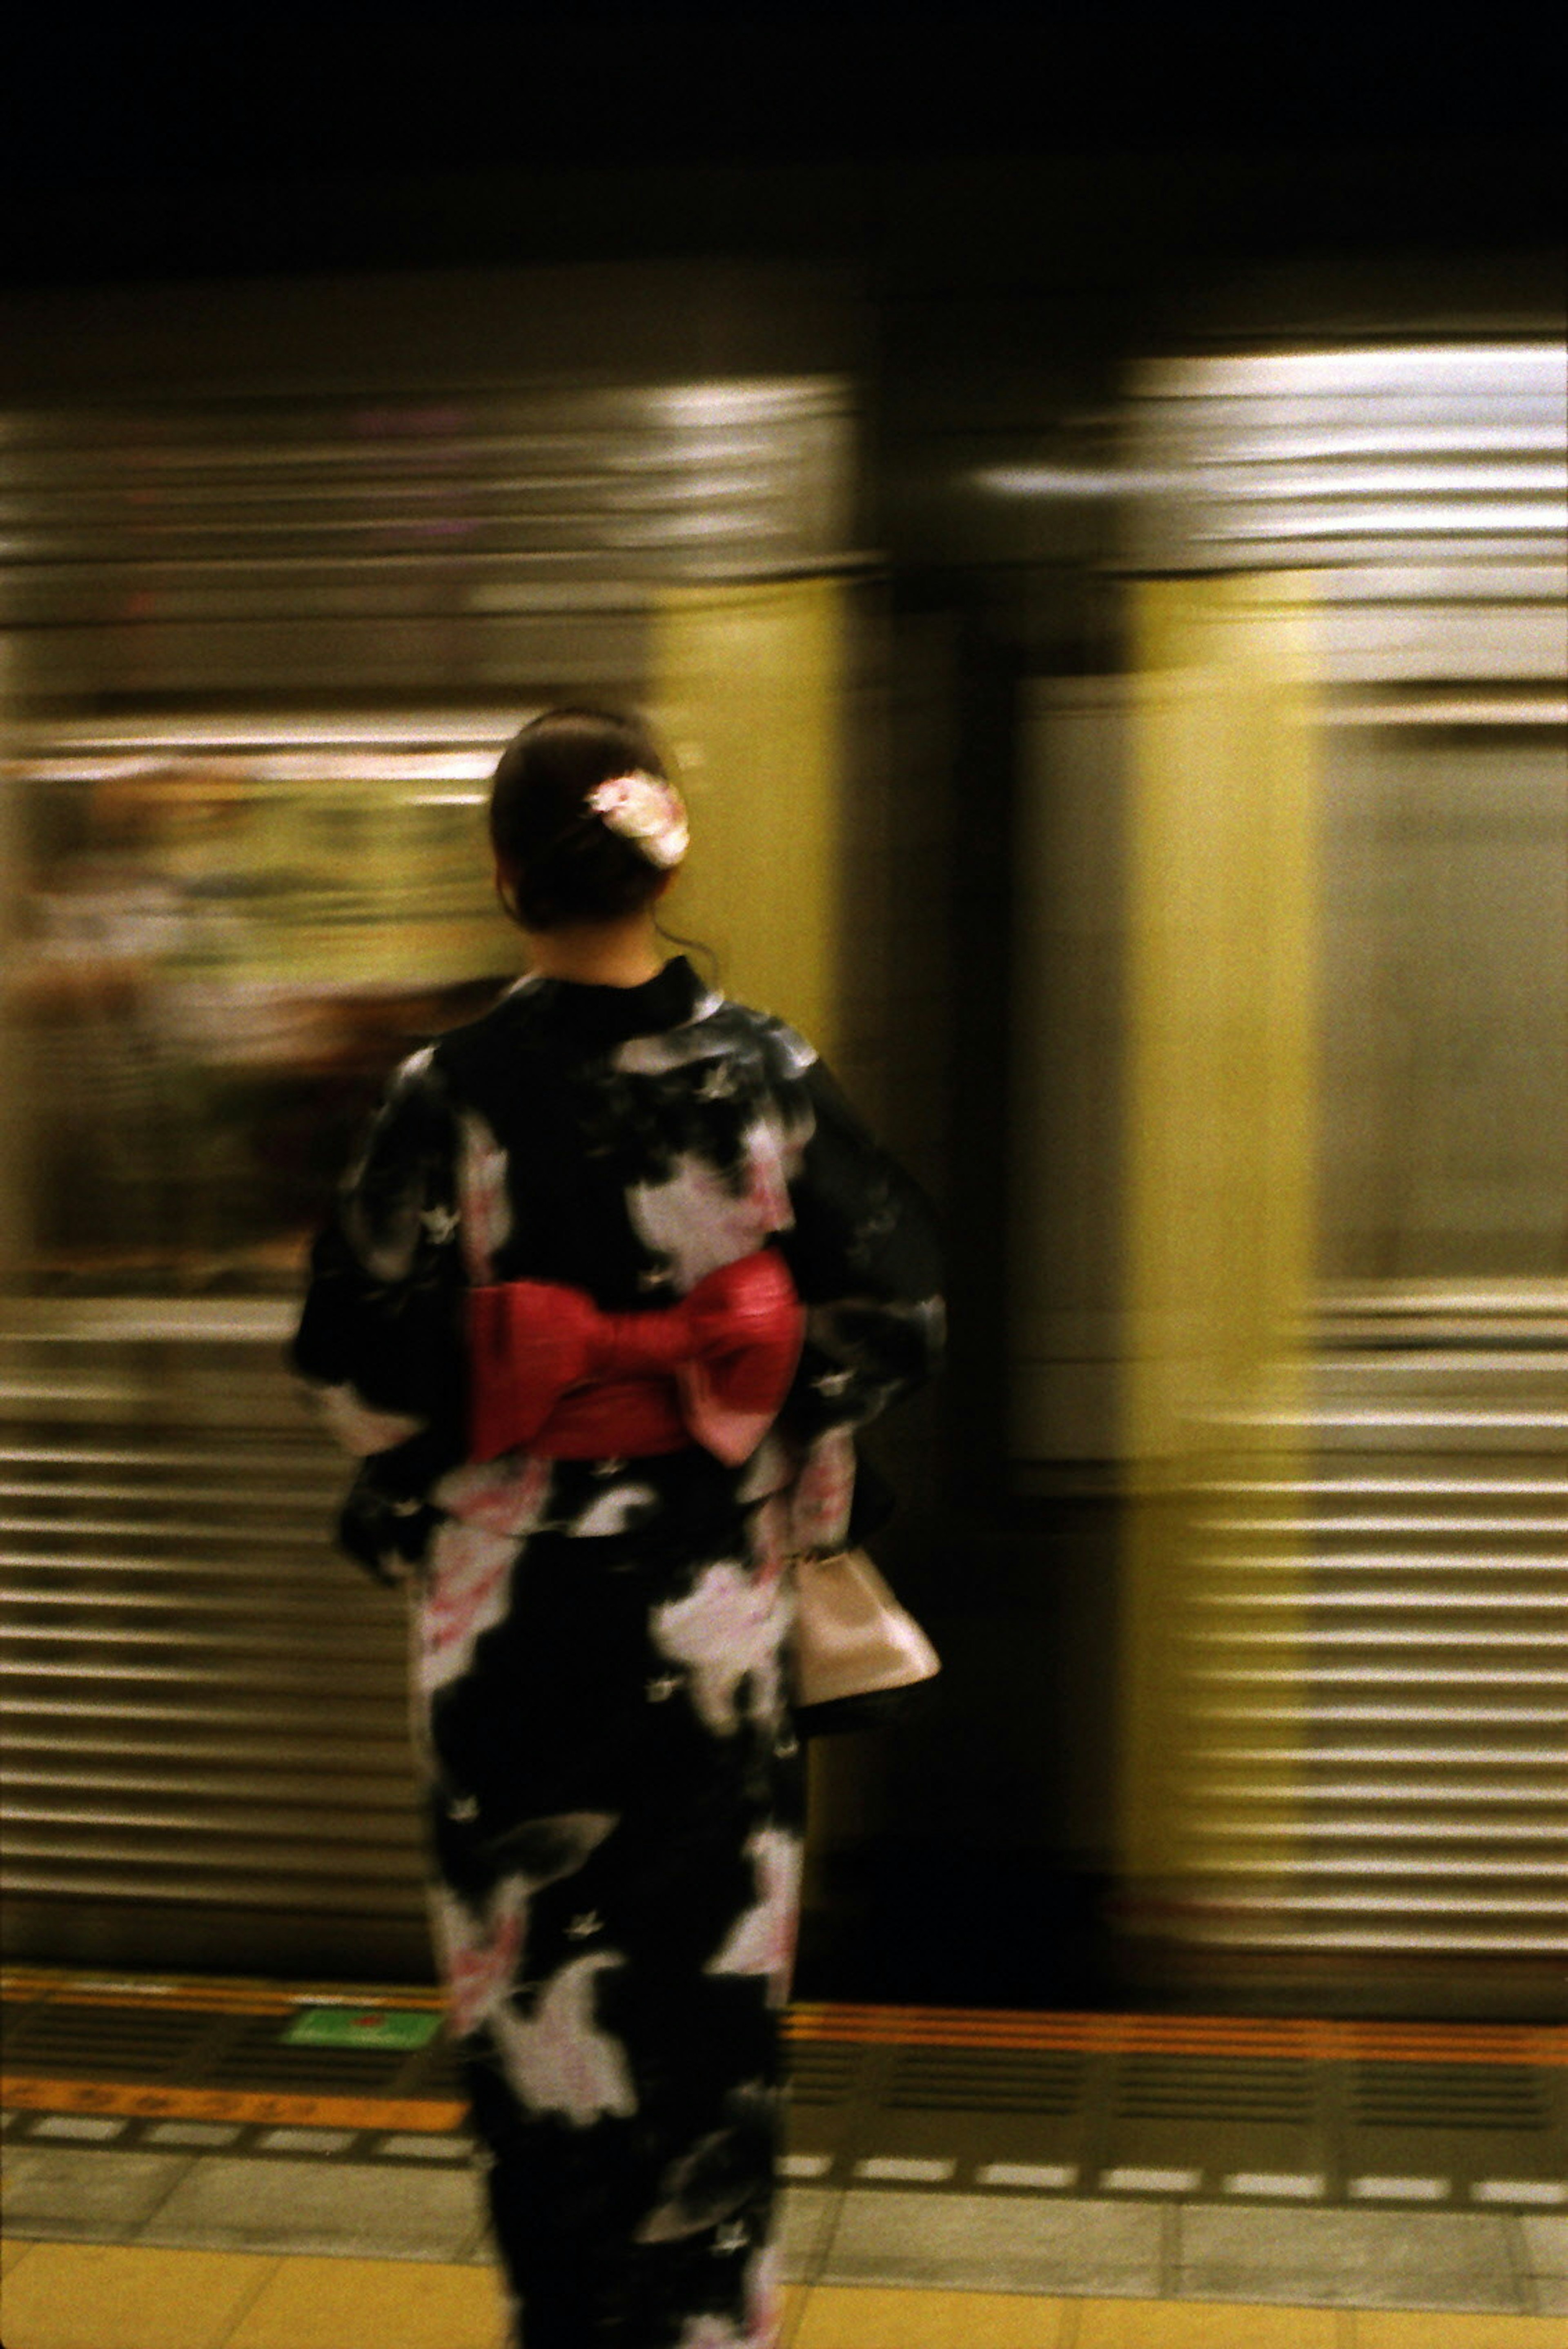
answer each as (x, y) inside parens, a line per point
(643, 809)
(582, 820)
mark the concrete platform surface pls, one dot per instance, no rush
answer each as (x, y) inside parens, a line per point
(900, 2246)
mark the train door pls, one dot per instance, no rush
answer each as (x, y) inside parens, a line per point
(1344, 1672)
(263, 646)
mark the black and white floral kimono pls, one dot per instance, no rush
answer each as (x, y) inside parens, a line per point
(614, 1784)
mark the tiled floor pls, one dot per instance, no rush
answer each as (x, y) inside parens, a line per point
(895, 2239)
(96, 2296)
(134, 2250)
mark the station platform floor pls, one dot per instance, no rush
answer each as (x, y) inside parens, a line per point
(205, 2164)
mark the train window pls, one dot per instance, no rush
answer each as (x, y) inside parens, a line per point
(1444, 998)
(1409, 495)
(221, 947)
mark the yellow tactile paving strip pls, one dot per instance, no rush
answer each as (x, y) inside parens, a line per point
(90, 2296)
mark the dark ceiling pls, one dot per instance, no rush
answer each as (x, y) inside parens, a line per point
(240, 141)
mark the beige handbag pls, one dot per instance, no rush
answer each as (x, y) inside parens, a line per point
(853, 1641)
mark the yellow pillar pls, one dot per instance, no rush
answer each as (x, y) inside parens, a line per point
(1220, 1206)
(16, 1183)
(749, 692)
(748, 689)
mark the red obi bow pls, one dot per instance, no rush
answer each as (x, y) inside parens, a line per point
(550, 1372)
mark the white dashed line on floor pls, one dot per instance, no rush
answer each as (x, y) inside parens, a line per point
(194, 2134)
(306, 2140)
(1151, 2182)
(898, 2169)
(84, 2128)
(1398, 2189)
(1044, 2176)
(409, 2147)
(1277, 2185)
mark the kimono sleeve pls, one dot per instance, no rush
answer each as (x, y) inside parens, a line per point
(379, 1340)
(863, 1252)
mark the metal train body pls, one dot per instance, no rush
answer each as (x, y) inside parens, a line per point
(1157, 815)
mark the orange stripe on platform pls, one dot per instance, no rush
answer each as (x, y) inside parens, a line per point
(1311, 2038)
(1217, 2034)
(242, 2105)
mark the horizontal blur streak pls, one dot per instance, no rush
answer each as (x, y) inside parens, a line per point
(1200, 749)
(1347, 1683)
(234, 901)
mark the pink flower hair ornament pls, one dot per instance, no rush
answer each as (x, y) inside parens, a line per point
(646, 813)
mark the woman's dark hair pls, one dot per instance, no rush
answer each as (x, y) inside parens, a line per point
(564, 865)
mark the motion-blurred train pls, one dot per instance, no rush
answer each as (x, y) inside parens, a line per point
(1148, 789)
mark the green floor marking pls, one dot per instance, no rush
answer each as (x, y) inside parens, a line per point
(345, 2026)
